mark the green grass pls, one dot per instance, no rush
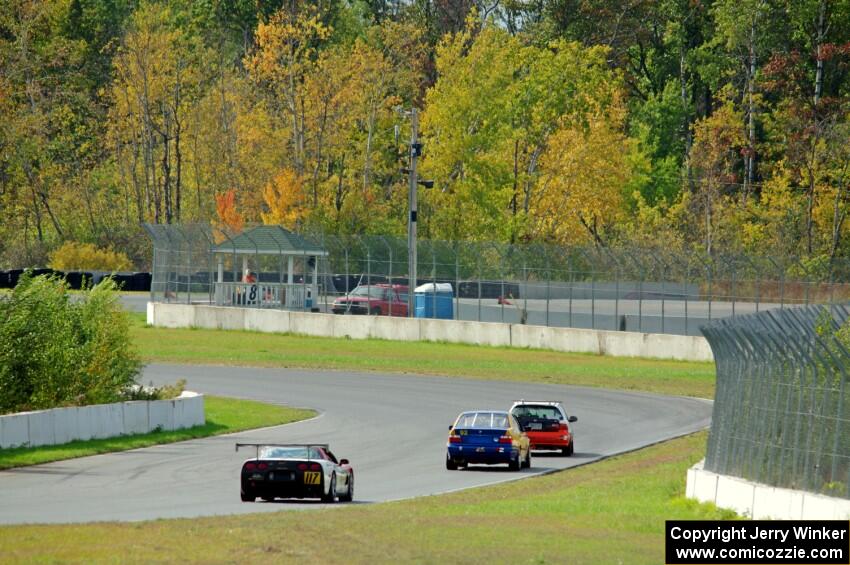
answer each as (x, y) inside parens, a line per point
(223, 416)
(220, 347)
(608, 512)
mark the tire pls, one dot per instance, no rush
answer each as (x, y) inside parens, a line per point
(567, 451)
(451, 464)
(515, 464)
(247, 497)
(331, 497)
(376, 311)
(349, 494)
(527, 463)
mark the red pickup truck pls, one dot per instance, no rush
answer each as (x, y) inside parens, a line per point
(375, 299)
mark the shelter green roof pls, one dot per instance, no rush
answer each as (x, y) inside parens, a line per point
(269, 240)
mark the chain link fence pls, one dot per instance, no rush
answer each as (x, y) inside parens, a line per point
(779, 413)
(624, 289)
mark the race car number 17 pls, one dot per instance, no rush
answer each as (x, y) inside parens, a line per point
(312, 477)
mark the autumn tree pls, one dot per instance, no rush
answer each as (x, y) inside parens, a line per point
(284, 197)
(287, 49)
(228, 216)
(157, 83)
(488, 120)
(586, 170)
(715, 161)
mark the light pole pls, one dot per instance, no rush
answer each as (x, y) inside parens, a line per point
(415, 151)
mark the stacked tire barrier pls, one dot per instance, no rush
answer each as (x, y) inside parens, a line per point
(781, 414)
(77, 280)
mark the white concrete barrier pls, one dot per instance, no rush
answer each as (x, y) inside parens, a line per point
(598, 342)
(231, 318)
(558, 339)
(106, 419)
(355, 327)
(205, 317)
(461, 331)
(176, 316)
(259, 320)
(190, 410)
(63, 425)
(736, 494)
(85, 422)
(136, 417)
(161, 414)
(761, 502)
(306, 323)
(403, 329)
(41, 431)
(14, 430)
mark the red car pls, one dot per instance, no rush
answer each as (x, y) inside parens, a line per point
(546, 424)
(375, 300)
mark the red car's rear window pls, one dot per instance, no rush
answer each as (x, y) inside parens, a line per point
(537, 411)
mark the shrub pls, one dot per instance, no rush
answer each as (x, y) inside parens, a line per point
(73, 256)
(58, 352)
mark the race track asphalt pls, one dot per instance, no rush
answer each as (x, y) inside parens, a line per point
(392, 427)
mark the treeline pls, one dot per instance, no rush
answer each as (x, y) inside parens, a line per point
(722, 125)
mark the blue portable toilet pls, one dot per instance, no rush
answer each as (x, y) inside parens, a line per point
(427, 299)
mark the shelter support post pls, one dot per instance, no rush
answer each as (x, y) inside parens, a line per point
(219, 299)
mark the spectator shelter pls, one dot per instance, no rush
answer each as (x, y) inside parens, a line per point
(279, 244)
(261, 267)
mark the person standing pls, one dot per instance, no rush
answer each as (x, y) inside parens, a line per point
(251, 290)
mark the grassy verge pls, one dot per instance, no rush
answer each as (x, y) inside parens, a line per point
(223, 416)
(220, 347)
(609, 512)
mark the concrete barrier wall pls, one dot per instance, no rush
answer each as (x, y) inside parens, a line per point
(761, 502)
(599, 342)
(483, 333)
(62, 425)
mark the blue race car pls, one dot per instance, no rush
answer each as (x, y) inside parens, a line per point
(489, 437)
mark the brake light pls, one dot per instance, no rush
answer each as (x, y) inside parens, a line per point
(315, 467)
(563, 427)
(302, 466)
(455, 439)
(250, 466)
(263, 466)
(506, 439)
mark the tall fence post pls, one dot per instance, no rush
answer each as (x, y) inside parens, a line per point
(457, 286)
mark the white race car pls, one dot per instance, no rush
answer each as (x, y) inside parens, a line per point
(295, 471)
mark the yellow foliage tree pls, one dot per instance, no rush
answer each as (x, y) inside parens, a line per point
(714, 157)
(284, 196)
(79, 256)
(583, 174)
(285, 56)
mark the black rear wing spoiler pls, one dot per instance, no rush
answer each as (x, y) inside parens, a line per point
(257, 446)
